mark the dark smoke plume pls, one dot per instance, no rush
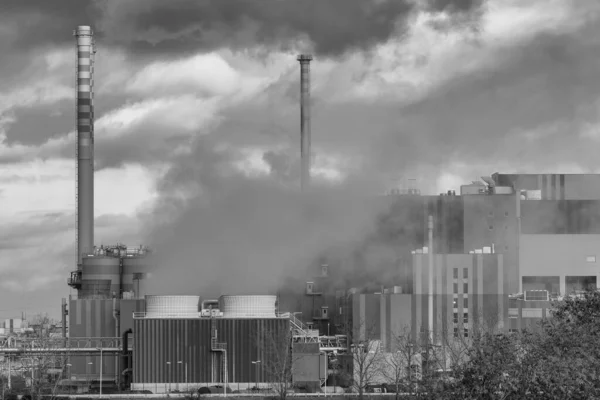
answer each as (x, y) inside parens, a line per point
(217, 231)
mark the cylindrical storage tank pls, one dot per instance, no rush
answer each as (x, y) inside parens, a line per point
(172, 306)
(134, 275)
(100, 275)
(95, 289)
(248, 306)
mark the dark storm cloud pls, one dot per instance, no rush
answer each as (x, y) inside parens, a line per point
(35, 125)
(333, 26)
(548, 84)
(41, 23)
(454, 5)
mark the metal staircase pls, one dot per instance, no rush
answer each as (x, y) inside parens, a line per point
(216, 346)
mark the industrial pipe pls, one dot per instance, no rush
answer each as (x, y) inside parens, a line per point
(85, 141)
(125, 351)
(116, 317)
(63, 350)
(305, 133)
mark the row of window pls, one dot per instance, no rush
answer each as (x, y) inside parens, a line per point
(465, 318)
(466, 332)
(465, 287)
(465, 273)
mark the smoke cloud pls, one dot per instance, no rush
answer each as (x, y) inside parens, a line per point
(222, 232)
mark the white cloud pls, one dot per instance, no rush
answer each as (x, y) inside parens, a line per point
(124, 190)
(49, 186)
(205, 73)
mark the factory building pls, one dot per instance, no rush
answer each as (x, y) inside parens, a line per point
(450, 297)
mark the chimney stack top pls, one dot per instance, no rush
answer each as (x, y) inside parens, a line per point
(304, 57)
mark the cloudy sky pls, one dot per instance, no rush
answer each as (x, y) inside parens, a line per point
(197, 120)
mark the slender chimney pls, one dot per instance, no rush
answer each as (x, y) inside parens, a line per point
(305, 157)
(85, 141)
(430, 280)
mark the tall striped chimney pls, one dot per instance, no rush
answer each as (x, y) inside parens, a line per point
(85, 141)
(305, 156)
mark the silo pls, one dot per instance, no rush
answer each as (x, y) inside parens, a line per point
(248, 306)
(172, 306)
(100, 277)
(134, 275)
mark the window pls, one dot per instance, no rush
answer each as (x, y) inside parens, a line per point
(455, 302)
(456, 318)
(466, 302)
(466, 333)
(506, 213)
(465, 273)
(465, 287)
(455, 287)
(455, 273)
(455, 332)
(465, 318)
(590, 259)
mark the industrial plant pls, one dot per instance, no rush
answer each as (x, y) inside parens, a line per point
(496, 253)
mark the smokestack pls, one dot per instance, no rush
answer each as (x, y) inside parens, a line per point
(85, 141)
(305, 158)
(430, 259)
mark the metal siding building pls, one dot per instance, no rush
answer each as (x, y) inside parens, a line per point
(158, 341)
(554, 186)
(92, 318)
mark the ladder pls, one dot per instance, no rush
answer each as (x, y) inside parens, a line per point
(221, 347)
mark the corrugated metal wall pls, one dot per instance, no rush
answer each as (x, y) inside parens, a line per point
(158, 341)
(92, 318)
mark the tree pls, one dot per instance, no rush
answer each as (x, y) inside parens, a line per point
(402, 366)
(365, 355)
(561, 360)
(47, 367)
(278, 359)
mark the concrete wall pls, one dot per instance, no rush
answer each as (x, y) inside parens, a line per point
(559, 255)
(560, 217)
(484, 299)
(366, 316)
(396, 314)
(491, 220)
